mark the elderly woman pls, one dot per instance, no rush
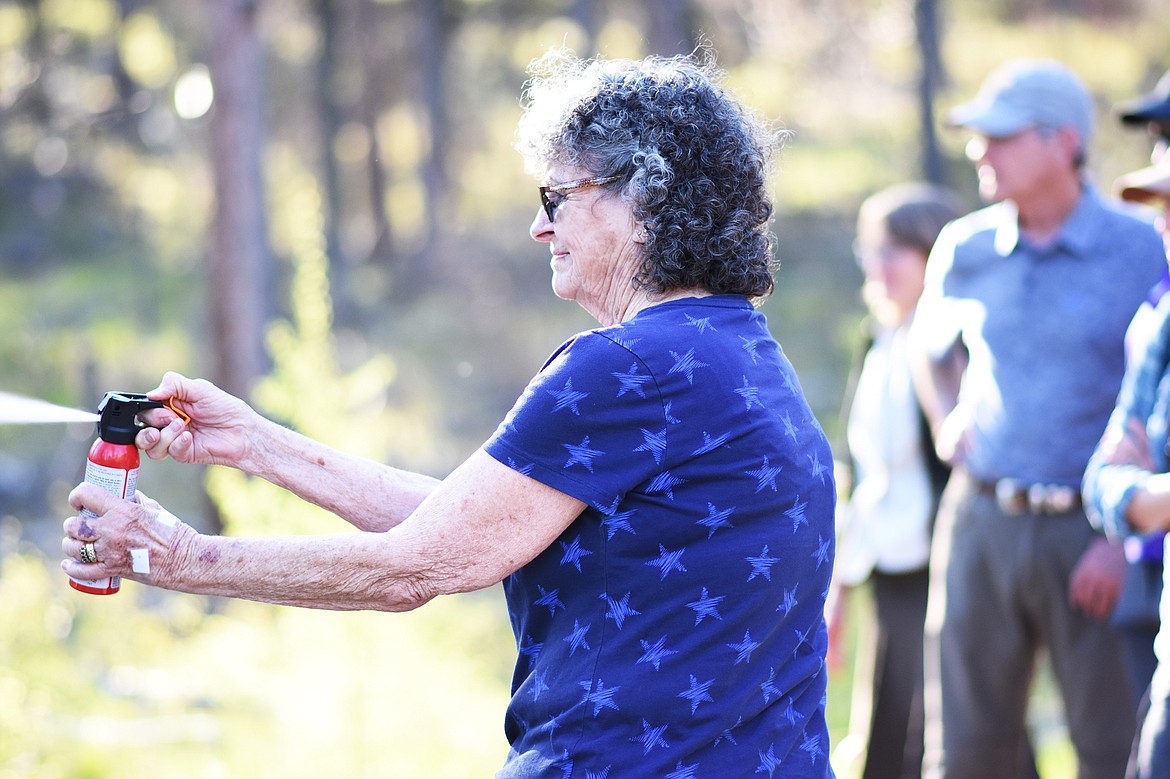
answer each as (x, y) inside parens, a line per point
(658, 503)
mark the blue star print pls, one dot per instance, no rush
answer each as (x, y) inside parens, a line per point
(619, 611)
(797, 515)
(762, 564)
(802, 639)
(768, 761)
(651, 737)
(789, 427)
(745, 648)
(616, 522)
(626, 341)
(581, 454)
(769, 688)
(631, 381)
(702, 325)
(711, 444)
(765, 475)
(750, 345)
(697, 692)
(565, 763)
(526, 470)
(749, 394)
(655, 654)
(683, 771)
(665, 482)
(727, 734)
(818, 469)
(790, 713)
(576, 639)
(672, 420)
(549, 599)
(573, 553)
(822, 553)
(790, 383)
(538, 685)
(568, 398)
(706, 606)
(811, 745)
(601, 698)
(530, 648)
(686, 364)
(789, 601)
(654, 443)
(666, 561)
(715, 519)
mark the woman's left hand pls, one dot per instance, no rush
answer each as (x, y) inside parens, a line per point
(135, 539)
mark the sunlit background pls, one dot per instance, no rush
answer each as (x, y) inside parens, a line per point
(402, 307)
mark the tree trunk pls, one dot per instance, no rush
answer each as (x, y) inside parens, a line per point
(331, 116)
(240, 264)
(931, 77)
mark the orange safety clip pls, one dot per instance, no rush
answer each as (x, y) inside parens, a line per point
(170, 403)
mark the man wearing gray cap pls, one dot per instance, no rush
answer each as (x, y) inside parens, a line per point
(1020, 335)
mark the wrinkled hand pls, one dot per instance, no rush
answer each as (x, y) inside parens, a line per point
(122, 526)
(218, 430)
(1095, 583)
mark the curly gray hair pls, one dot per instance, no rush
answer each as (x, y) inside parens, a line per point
(691, 160)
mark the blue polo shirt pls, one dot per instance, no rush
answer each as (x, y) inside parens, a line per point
(676, 628)
(1044, 327)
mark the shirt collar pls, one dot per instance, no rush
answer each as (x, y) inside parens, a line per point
(1075, 235)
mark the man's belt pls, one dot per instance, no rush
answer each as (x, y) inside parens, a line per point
(1017, 497)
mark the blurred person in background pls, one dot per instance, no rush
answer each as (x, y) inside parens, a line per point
(1136, 614)
(891, 481)
(1127, 484)
(1020, 340)
(658, 503)
(1152, 112)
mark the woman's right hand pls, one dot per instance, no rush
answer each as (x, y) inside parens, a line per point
(219, 431)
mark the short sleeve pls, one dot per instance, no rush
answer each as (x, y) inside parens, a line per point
(590, 424)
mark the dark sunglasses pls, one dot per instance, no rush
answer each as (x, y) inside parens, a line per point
(558, 192)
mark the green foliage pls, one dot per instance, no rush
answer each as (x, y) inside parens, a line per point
(307, 388)
(141, 684)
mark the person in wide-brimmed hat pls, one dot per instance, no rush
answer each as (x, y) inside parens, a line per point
(1127, 484)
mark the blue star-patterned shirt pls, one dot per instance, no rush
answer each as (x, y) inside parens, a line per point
(675, 629)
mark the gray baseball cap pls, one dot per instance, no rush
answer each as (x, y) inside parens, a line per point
(1027, 93)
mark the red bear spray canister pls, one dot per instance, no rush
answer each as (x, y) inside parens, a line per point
(113, 464)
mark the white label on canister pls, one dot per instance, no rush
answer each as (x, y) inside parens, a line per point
(113, 480)
(116, 482)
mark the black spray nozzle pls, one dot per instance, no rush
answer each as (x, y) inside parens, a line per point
(117, 412)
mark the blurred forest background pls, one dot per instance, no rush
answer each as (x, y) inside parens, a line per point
(316, 204)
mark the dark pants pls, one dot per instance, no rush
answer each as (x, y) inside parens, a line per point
(895, 727)
(999, 596)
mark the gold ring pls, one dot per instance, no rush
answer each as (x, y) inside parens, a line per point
(88, 553)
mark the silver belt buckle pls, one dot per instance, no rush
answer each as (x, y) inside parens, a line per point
(1051, 498)
(1011, 497)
